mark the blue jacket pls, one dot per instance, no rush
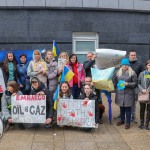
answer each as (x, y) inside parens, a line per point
(22, 73)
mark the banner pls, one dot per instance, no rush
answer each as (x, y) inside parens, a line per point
(107, 58)
(79, 113)
(102, 79)
(28, 108)
(2, 82)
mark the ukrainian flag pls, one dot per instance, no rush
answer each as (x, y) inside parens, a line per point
(67, 74)
(56, 96)
(56, 51)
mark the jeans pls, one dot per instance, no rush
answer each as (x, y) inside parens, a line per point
(75, 91)
(142, 113)
(127, 111)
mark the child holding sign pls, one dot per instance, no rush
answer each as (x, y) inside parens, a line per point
(12, 89)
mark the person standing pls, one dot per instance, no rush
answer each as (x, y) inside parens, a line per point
(52, 67)
(144, 87)
(38, 67)
(124, 97)
(23, 78)
(10, 68)
(79, 75)
(137, 68)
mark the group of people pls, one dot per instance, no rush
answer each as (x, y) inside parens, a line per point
(41, 76)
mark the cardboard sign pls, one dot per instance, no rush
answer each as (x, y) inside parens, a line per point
(79, 113)
(2, 82)
(40, 66)
(61, 63)
(107, 58)
(28, 108)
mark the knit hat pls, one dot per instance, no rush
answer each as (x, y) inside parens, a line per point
(125, 61)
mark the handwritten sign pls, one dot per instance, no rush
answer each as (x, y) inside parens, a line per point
(77, 113)
(2, 83)
(28, 108)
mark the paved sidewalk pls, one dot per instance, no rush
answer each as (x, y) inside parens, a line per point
(106, 137)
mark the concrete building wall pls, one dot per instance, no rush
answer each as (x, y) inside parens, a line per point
(30, 29)
(98, 4)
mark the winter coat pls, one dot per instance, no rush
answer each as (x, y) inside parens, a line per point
(87, 66)
(6, 101)
(81, 74)
(92, 97)
(49, 98)
(33, 70)
(52, 75)
(137, 67)
(143, 83)
(124, 98)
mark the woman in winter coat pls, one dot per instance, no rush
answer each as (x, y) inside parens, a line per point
(23, 78)
(89, 95)
(144, 87)
(10, 68)
(38, 67)
(79, 75)
(125, 78)
(38, 88)
(12, 89)
(52, 67)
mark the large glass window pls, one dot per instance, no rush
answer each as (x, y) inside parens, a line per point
(84, 42)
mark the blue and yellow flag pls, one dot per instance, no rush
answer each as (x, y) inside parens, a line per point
(56, 51)
(67, 74)
(56, 96)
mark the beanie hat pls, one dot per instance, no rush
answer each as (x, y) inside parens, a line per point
(125, 61)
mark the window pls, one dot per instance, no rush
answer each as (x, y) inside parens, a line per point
(84, 42)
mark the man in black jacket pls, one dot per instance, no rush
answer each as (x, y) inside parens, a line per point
(90, 63)
(38, 88)
(138, 68)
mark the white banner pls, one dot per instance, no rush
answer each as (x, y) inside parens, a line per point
(107, 58)
(2, 82)
(28, 108)
(79, 113)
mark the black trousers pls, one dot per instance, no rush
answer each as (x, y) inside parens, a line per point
(143, 107)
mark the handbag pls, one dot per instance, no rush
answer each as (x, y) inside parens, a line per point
(143, 97)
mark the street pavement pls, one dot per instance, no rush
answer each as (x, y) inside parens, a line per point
(106, 137)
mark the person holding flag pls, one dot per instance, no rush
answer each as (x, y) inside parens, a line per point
(79, 75)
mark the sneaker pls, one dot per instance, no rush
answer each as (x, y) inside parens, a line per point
(134, 120)
(120, 123)
(141, 126)
(127, 126)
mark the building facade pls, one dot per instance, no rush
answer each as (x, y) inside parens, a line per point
(78, 26)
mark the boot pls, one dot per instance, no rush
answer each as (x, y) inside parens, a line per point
(147, 126)
(141, 126)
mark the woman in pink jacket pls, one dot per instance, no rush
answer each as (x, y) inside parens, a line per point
(79, 76)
